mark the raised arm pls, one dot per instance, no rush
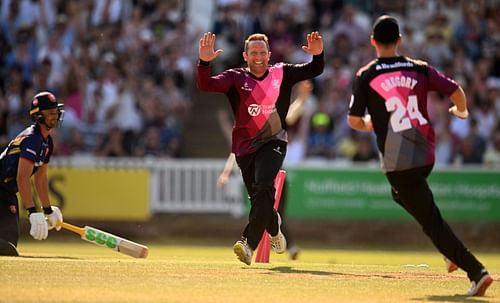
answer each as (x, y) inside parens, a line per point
(298, 72)
(314, 44)
(206, 47)
(204, 81)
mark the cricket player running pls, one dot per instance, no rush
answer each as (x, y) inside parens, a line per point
(259, 96)
(394, 90)
(26, 155)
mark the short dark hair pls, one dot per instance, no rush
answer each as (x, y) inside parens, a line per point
(386, 30)
(256, 37)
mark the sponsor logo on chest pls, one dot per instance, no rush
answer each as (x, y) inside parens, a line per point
(256, 109)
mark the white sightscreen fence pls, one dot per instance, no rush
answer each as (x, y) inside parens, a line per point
(191, 187)
(176, 186)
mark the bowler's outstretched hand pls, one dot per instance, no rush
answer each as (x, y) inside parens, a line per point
(206, 49)
(314, 44)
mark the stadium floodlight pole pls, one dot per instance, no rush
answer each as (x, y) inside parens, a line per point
(264, 247)
(102, 238)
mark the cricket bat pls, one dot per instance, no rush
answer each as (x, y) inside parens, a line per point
(102, 238)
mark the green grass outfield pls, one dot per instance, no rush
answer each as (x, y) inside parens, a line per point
(76, 271)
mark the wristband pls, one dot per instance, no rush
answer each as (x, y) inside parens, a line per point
(47, 210)
(31, 210)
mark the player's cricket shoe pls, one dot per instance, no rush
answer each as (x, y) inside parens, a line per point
(278, 242)
(8, 249)
(243, 251)
(478, 288)
(450, 266)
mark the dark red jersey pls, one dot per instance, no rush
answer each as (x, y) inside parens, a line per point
(260, 104)
(394, 91)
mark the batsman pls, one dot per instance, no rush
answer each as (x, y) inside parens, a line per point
(259, 96)
(27, 155)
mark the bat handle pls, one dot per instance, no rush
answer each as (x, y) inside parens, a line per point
(73, 228)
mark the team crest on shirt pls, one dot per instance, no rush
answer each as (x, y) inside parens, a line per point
(246, 87)
(253, 110)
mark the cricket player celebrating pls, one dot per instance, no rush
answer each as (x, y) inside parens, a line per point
(394, 90)
(259, 96)
(26, 155)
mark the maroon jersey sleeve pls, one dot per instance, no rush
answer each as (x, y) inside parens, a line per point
(218, 84)
(441, 83)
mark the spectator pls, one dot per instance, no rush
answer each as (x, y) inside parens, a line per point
(58, 58)
(92, 131)
(111, 144)
(485, 118)
(73, 47)
(492, 155)
(23, 55)
(123, 112)
(108, 11)
(365, 150)
(473, 146)
(321, 139)
(281, 39)
(470, 31)
(150, 144)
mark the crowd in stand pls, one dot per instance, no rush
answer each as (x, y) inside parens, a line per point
(121, 68)
(124, 69)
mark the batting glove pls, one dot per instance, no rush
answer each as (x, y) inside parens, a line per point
(461, 114)
(39, 228)
(54, 218)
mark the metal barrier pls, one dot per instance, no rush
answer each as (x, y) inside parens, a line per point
(176, 186)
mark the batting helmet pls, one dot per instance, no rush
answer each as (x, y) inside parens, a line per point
(43, 101)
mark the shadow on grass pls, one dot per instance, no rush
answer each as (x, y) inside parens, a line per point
(49, 257)
(454, 298)
(290, 270)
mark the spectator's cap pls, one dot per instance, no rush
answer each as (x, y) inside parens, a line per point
(320, 119)
(43, 101)
(386, 29)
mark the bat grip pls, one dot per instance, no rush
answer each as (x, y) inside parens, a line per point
(73, 228)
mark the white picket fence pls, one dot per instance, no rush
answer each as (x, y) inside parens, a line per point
(177, 186)
(190, 187)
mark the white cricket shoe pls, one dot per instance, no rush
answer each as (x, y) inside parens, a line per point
(278, 242)
(478, 288)
(243, 252)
